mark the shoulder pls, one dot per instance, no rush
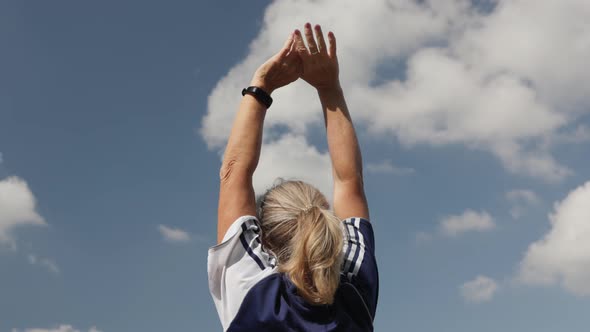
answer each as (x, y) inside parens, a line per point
(236, 265)
(360, 265)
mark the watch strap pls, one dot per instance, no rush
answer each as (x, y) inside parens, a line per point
(259, 94)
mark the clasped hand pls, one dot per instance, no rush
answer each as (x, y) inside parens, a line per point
(315, 63)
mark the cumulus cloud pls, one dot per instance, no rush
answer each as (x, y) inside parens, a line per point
(17, 209)
(172, 234)
(446, 101)
(480, 289)
(562, 256)
(60, 328)
(521, 200)
(291, 157)
(549, 41)
(468, 221)
(408, 25)
(387, 167)
(452, 82)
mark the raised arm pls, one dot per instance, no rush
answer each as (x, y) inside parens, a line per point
(236, 194)
(349, 194)
(320, 69)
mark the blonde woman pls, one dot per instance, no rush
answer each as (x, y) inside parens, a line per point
(292, 264)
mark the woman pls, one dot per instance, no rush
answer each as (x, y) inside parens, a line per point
(294, 265)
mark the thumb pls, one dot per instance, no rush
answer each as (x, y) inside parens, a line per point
(286, 47)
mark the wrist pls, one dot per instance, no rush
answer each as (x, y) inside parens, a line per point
(331, 90)
(260, 84)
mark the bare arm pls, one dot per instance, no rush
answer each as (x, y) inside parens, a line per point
(345, 153)
(236, 194)
(320, 69)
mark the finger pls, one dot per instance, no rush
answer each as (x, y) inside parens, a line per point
(293, 46)
(332, 42)
(313, 48)
(320, 37)
(286, 47)
(300, 45)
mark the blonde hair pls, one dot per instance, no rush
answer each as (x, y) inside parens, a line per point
(306, 238)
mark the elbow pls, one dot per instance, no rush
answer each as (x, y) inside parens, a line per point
(350, 177)
(353, 181)
(232, 169)
(348, 169)
(226, 170)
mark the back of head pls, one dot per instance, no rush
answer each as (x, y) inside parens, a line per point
(307, 238)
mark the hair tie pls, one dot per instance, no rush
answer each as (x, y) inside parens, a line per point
(308, 208)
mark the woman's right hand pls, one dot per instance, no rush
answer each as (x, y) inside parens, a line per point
(320, 64)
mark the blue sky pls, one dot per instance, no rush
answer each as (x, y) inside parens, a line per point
(113, 116)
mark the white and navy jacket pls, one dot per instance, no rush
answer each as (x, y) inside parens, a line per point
(251, 295)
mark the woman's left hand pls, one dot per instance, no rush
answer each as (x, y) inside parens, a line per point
(281, 69)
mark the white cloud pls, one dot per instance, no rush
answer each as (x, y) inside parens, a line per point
(539, 163)
(562, 256)
(480, 289)
(60, 328)
(521, 200)
(387, 167)
(445, 101)
(171, 234)
(468, 221)
(548, 43)
(17, 209)
(291, 157)
(459, 85)
(408, 25)
(44, 262)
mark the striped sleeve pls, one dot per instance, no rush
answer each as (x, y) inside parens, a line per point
(359, 264)
(235, 265)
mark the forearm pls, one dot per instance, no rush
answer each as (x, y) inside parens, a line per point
(342, 141)
(243, 147)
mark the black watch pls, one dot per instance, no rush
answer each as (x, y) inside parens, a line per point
(259, 94)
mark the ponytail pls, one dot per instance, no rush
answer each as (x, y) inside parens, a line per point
(305, 236)
(314, 267)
